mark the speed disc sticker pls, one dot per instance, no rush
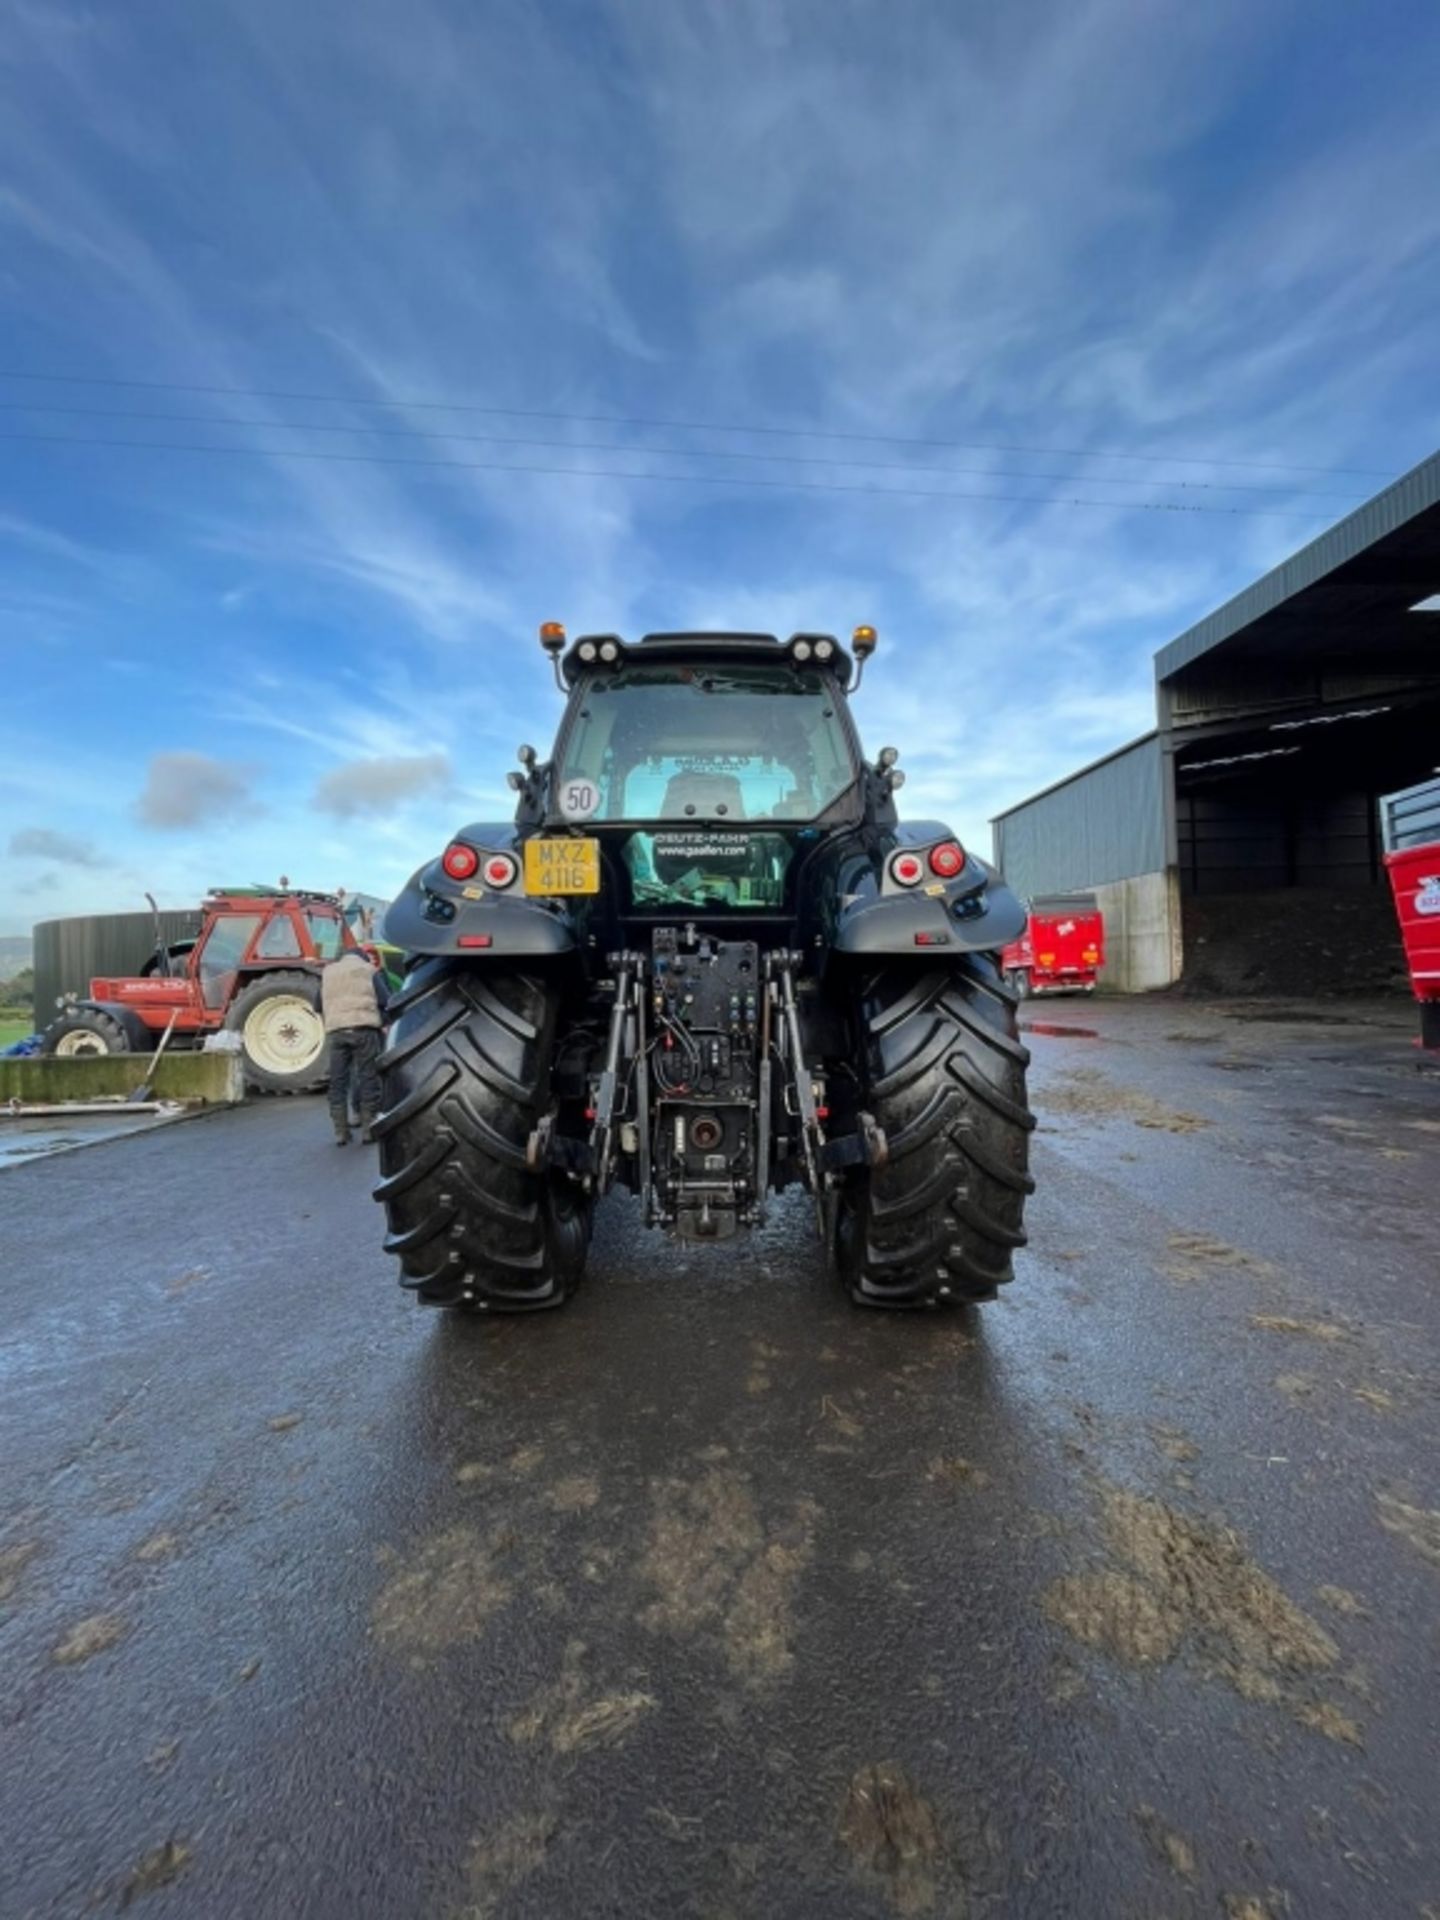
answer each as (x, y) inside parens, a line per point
(579, 799)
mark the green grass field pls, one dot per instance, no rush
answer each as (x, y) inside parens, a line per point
(13, 1027)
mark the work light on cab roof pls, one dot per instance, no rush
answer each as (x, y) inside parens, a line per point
(610, 650)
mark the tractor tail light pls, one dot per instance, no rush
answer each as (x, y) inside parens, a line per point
(500, 871)
(460, 861)
(476, 940)
(947, 859)
(908, 869)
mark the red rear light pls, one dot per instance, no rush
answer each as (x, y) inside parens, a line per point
(500, 870)
(460, 861)
(947, 859)
(908, 869)
(475, 940)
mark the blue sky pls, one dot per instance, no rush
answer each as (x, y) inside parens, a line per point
(1202, 234)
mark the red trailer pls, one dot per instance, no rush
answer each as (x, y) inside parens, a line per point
(1411, 826)
(1062, 948)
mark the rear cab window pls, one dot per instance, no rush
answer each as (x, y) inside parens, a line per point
(725, 743)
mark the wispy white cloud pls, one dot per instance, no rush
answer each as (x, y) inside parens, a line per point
(45, 843)
(363, 787)
(186, 789)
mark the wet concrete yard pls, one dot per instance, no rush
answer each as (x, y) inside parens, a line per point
(713, 1597)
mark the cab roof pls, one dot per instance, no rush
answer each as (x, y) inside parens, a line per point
(266, 896)
(728, 646)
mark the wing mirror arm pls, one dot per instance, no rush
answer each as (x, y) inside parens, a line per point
(528, 784)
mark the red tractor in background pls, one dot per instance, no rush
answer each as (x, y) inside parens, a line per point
(1062, 948)
(252, 970)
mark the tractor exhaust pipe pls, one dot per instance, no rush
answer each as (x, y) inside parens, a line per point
(160, 946)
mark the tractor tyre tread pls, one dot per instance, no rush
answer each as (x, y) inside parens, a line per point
(938, 1223)
(466, 1080)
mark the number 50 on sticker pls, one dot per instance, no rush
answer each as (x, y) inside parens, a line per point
(579, 799)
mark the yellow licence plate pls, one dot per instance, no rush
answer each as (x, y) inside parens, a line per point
(562, 866)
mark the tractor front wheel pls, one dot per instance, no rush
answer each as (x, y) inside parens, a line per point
(283, 1043)
(83, 1030)
(937, 1223)
(466, 1080)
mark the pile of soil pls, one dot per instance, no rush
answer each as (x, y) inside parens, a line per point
(1298, 941)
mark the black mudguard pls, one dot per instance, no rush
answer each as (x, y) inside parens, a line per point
(433, 914)
(973, 913)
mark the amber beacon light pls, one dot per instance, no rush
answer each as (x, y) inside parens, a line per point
(552, 639)
(862, 645)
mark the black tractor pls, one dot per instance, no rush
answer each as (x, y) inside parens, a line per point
(708, 962)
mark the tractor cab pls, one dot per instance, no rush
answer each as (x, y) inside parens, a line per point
(703, 769)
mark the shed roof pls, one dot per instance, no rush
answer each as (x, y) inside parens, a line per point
(1360, 577)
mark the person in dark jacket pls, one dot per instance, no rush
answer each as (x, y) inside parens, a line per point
(353, 998)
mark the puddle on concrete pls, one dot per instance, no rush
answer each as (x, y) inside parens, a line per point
(1297, 1017)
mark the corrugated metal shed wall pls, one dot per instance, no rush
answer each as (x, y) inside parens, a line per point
(1107, 823)
(70, 953)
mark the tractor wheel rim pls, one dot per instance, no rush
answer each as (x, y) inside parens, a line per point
(81, 1041)
(284, 1034)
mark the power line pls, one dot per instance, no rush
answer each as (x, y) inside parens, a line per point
(675, 453)
(679, 426)
(666, 479)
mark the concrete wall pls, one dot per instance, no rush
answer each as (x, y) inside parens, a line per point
(1142, 932)
(212, 1078)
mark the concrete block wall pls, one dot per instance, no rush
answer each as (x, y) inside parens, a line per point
(210, 1078)
(1143, 948)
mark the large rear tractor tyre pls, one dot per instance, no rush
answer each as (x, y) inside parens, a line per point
(283, 1044)
(466, 1081)
(937, 1223)
(86, 1030)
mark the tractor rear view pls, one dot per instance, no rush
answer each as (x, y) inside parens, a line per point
(253, 970)
(708, 963)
